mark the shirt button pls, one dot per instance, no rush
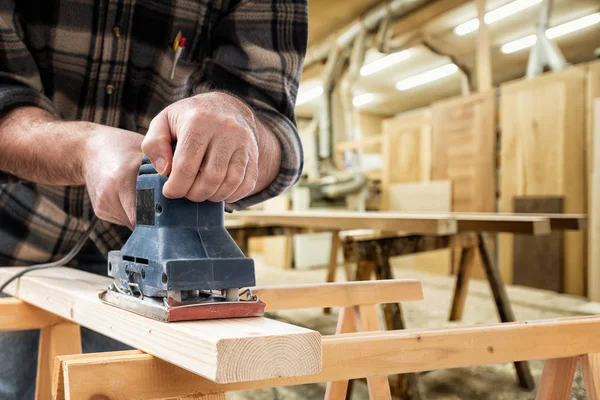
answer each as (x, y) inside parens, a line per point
(116, 31)
(109, 89)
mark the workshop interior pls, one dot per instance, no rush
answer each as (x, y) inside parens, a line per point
(442, 240)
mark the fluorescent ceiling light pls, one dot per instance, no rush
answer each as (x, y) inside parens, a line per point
(427, 77)
(384, 62)
(363, 99)
(552, 33)
(305, 96)
(495, 15)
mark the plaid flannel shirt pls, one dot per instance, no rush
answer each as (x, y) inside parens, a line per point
(109, 62)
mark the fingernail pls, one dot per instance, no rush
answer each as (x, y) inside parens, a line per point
(160, 164)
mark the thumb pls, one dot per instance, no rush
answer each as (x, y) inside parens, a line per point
(157, 144)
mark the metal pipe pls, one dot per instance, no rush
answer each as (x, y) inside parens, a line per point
(329, 74)
(545, 50)
(371, 20)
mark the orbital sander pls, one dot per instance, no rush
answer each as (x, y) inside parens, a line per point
(180, 263)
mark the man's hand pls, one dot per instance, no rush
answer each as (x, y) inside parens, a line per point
(111, 165)
(223, 152)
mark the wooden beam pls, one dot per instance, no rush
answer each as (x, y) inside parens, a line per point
(229, 350)
(416, 20)
(343, 294)
(348, 356)
(426, 223)
(484, 56)
(593, 267)
(16, 315)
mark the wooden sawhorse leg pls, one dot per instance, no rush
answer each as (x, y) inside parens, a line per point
(358, 319)
(557, 377)
(333, 261)
(373, 256)
(499, 292)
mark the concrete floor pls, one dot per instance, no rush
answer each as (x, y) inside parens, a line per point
(488, 382)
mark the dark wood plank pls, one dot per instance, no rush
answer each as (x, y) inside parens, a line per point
(538, 261)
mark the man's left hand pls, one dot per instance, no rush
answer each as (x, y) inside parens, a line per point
(223, 152)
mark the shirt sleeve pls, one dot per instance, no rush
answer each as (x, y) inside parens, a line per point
(258, 48)
(20, 82)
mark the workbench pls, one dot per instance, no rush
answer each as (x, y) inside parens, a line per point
(371, 250)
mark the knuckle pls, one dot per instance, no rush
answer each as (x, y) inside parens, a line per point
(185, 169)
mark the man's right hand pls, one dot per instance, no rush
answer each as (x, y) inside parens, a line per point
(110, 170)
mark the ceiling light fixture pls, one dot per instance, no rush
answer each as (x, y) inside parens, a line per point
(426, 77)
(305, 96)
(363, 99)
(384, 62)
(552, 33)
(495, 15)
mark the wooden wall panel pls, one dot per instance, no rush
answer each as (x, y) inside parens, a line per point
(464, 136)
(406, 150)
(542, 154)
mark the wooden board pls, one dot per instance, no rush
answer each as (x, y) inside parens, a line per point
(594, 212)
(343, 220)
(542, 154)
(346, 356)
(538, 261)
(435, 196)
(406, 150)
(464, 138)
(343, 294)
(229, 350)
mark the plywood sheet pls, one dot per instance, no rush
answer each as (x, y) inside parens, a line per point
(542, 154)
(538, 261)
(594, 210)
(464, 136)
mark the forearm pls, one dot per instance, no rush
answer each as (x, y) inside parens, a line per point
(34, 146)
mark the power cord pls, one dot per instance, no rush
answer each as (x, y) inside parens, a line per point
(58, 263)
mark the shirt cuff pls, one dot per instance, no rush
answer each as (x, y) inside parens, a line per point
(14, 96)
(292, 160)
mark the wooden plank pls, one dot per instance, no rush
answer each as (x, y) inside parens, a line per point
(16, 315)
(538, 261)
(484, 55)
(593, 275)
(348, 356)
(557, 379)
(558, 222)
(343, 294)
(542, 154)
(339, 220)
(420, 223)
(55, 340)
(222, 350)
(435, 196)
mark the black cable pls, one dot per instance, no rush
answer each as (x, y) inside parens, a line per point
(58, 263)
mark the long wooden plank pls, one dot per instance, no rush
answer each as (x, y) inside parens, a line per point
(346, 294)
(348, 356)
(423, 223)
(16, 315)
(222, 350)
(408, 222)
(558, 222)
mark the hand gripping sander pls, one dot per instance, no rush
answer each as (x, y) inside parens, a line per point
(180, 263)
